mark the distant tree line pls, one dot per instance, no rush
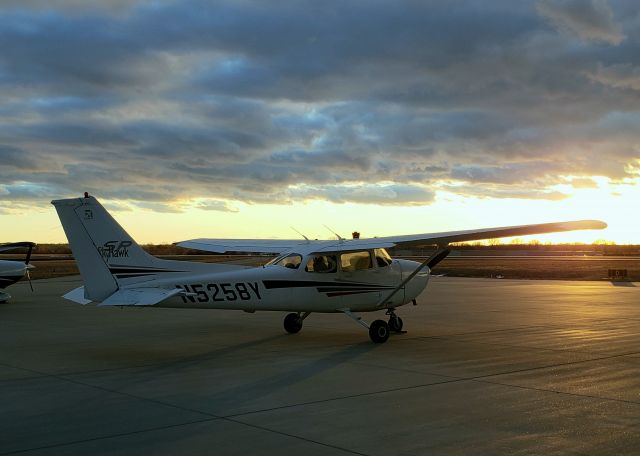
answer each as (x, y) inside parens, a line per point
(598, 247)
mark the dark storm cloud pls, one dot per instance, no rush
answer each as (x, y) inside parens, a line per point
(372, 102)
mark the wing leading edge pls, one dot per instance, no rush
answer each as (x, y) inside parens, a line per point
(412, 240)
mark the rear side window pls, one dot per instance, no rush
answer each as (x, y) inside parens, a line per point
(322, 264)
(355, 261)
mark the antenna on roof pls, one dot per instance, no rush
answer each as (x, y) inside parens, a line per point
(306, 238)
(340, 238)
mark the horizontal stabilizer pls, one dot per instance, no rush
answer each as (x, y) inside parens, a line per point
(77, 295)
(140, 296)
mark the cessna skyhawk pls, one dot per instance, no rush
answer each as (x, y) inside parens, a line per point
(346, 276)
(12, 271)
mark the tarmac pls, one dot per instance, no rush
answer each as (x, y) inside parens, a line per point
(486, 367)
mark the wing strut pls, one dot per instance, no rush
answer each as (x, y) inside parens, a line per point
(430, 262)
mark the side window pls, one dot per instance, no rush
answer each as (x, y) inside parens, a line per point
(355, 261)
(382, 258)
(290, 261)
(322, 263)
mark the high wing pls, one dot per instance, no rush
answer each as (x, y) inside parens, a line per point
(243, 245)
(445, 238)
(16, 245)
(412, 240)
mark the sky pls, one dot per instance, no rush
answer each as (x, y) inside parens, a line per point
(255, 119)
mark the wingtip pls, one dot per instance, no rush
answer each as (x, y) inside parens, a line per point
(597, 224)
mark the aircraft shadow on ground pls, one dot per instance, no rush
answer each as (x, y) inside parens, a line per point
(237, 395)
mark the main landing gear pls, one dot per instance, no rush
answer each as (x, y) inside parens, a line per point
(293, 322)
(379, 330)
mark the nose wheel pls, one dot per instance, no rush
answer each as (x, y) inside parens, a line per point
(379, 330)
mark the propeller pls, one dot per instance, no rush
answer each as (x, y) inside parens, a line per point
(29, 266)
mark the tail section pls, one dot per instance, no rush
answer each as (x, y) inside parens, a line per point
(111, 261)
(103, 250)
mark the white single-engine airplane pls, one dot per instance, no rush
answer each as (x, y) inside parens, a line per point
(12, 271)
(346, 276)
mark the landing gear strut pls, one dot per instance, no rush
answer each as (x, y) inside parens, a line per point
(293, 322)
(395, 322)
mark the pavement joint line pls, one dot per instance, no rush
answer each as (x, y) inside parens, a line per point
(470, 333)
(454, 379)
(566, 393)
(105, 437)
(211, 417)
(529, 347)
(158, 364)
(328, 445)
(122, 393)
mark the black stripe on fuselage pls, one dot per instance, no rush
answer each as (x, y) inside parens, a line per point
(347, 293)
(273, 284)
(141, 274)
(138, 269)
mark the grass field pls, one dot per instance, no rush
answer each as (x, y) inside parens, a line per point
(508, 267)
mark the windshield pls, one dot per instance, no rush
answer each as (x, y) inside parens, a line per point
(382, 258)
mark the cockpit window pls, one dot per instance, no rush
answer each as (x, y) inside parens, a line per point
(291, 261)
(382, 258)
(322, 263)
(355, 261)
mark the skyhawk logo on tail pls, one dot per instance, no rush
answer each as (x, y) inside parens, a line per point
(115, 249)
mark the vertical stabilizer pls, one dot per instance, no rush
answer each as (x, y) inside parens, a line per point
(99, 244)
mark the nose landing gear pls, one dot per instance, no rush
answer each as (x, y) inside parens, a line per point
(395, 322)
(379, 330)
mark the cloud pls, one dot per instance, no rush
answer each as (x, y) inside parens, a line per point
(588, 19)
(385, 194)
(623, 75)
(584, 183)
(215, 205)
(184, 104)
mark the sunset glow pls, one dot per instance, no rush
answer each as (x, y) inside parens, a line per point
(188, 120)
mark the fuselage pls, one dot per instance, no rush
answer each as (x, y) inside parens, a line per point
(301, 283)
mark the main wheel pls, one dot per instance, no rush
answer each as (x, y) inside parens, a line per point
(379, 331)
(292, 323)
(395, 324)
